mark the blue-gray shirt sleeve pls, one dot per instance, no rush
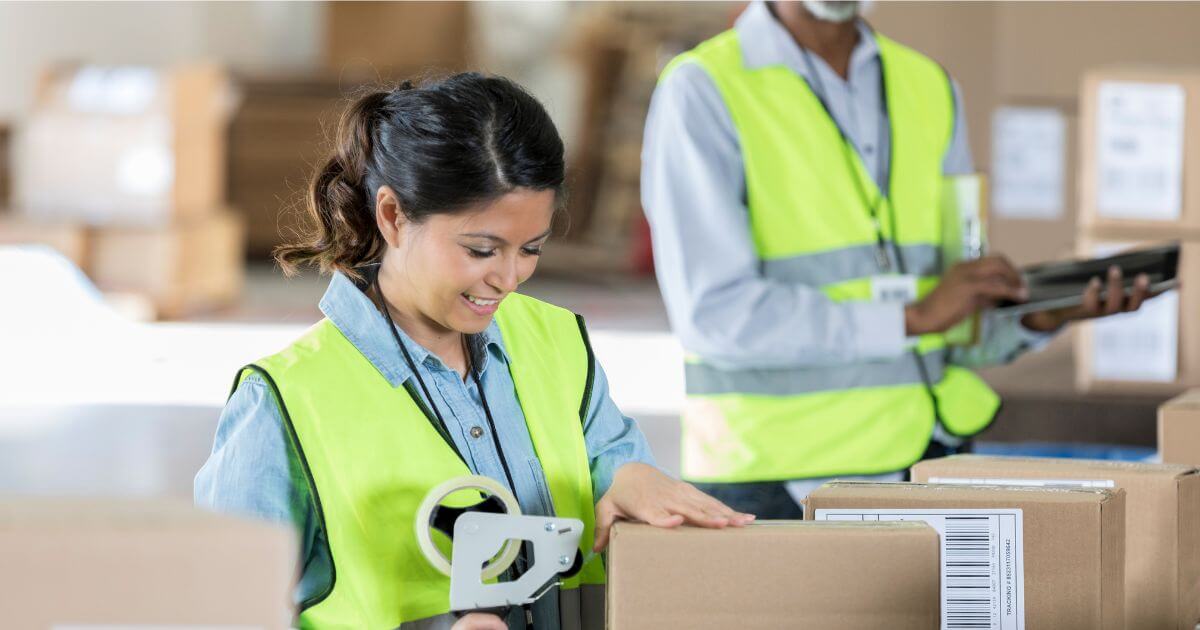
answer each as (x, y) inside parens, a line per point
(252, 472)
(612, 438)
(720, 305)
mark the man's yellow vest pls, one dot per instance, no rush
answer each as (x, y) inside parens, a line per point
(370, 453)
(811, 226)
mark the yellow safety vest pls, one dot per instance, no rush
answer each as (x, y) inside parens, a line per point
(370, 454)
(811, 225)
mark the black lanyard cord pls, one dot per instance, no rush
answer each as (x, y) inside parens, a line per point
(522, 559)
(817, 86)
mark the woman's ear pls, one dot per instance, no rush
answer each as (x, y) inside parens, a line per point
(388, 216)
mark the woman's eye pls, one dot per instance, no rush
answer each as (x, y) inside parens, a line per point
(532, 251)
(481, 253)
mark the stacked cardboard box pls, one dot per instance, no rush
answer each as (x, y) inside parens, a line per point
(282, 130)
(136, 158)
(1139, 186)
(1162, 522)
(1054, 557)
(1179, 429)
(781, 574)
(85, 563)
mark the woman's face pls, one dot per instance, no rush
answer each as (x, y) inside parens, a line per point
(457, 268)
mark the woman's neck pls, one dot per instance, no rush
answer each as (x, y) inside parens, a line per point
(444, 343)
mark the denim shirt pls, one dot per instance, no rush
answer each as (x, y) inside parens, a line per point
(252, 470)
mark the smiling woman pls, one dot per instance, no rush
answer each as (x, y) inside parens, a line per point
(429, 366)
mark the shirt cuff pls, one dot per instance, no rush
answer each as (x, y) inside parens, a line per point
(1033, 339)
(877, 329)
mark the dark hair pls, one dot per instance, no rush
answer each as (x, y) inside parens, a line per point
(442, 147)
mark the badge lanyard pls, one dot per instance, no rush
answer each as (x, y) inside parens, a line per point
(817, 86)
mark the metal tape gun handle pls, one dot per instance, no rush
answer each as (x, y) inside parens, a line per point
(483, 536)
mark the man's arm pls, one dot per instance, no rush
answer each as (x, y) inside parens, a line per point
(719, 304)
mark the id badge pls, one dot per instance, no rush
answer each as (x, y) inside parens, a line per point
(894, 288)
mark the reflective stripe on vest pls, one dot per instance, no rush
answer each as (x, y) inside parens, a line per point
(810, 226)
(370, 454)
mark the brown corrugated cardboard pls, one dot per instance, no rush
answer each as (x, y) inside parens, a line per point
(69, 239)
(397, 39)
(1091, 215)
(119, 563)
(1074, 541)
(184, 266)
(1179, 429)
(1134, 343)
(124, 144)
(775, 574)
(1162, 559)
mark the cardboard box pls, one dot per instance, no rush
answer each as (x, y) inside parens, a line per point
(125, 144)
(780, 574)
(119, 563)
(69, 239)
(1155, 350)
(1139, 154)
(1070, 543)
(1179, 429)
(1162, 523)
(183, 266)
(398, 40)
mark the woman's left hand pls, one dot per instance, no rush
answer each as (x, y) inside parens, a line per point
(642, 493)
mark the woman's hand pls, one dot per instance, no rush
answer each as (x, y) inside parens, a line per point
(640, 492)
(479, 621)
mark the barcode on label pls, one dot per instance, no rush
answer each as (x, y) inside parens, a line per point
(968, 572)
(981, 562)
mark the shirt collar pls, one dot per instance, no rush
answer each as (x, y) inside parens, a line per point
(355, 315)
(766, 42)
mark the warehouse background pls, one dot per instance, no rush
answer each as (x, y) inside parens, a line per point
(224, 107)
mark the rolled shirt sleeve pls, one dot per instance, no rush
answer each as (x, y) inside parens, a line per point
(612, 439)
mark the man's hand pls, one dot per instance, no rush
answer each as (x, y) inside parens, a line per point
(967, 288)
(642, 493)
(1094, 303)
(479, 621)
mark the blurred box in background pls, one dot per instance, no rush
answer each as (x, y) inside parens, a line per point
(281, 132)
(1140, 166)
(395, 40)
(124, 144)
(1179, 429)
(119, 563)
(182, 267)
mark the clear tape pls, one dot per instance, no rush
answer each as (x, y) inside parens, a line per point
(508, 553)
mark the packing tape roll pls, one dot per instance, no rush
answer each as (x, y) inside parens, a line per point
(508, 553)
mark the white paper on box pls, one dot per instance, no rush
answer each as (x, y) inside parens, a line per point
(1005, 481)
(1138, 346)
(1139, 144)
(982, 561)
(1028, 162)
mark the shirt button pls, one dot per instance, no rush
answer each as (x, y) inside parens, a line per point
(476, 432)
(869, 149)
